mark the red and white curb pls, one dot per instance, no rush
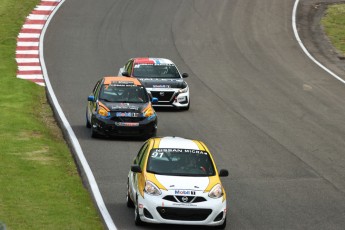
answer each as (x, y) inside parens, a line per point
(27, 52)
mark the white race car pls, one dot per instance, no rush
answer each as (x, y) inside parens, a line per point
(161, 79)
(175, 181)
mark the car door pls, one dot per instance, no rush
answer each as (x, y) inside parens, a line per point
(134, 176)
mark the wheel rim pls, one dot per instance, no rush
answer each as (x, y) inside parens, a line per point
(136, 211)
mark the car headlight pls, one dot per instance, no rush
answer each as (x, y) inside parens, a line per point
(184, 90)
(216, 191)
(152, 189)
(103, 112)
(149, 112)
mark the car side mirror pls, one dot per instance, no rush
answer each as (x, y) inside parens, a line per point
(154, 100)
(136, 169)
(125, 74)
(91, 98)
(223, 173)
(184, 75)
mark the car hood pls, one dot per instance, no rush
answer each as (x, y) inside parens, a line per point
(162, 83)
(125, 107)
(183, 182)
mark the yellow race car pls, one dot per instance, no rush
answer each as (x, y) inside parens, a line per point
(174, 180)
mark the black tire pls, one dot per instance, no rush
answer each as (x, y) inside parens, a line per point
(94, 134)
(88, 124)
(137, 220)
(129, 202)
(185, 108)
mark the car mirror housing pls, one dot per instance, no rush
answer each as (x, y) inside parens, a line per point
(223, 173)
(91, 98)
(184, 75)
(154, 100)
(125, 74)
(136, 169)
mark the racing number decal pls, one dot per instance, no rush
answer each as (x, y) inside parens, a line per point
(157, 154)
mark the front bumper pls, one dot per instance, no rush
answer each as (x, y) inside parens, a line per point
(169, 97)
(109, 127)
(155, 209)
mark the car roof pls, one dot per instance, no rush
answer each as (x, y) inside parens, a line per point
(153, 61)
(178, 142)
(129, 80)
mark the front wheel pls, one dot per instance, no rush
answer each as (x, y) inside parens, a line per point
(137, 219)
(130, 203)
(94, 134)
(185, 108)
(88, 124)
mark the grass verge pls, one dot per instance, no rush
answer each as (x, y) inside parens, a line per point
(334, 26)
(39, 184)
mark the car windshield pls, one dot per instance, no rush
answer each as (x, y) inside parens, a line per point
(155, 71)
(129, 94)
(180, 162)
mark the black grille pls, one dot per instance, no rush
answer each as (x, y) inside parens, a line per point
(127, 119)
(112, 129)
(167, 96)
(185, 199)
(187, 214)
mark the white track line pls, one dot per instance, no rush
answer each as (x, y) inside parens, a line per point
(74, 141)
(303, 47)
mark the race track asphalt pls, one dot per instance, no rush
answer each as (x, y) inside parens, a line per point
(269, 115)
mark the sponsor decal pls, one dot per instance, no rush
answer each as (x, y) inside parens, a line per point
(136, 66)
(195, 151)
(127, 114)
(127, 124)
(184, 204)
(161, 86)
(123, 83)
(184, 192)
(125, 106)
